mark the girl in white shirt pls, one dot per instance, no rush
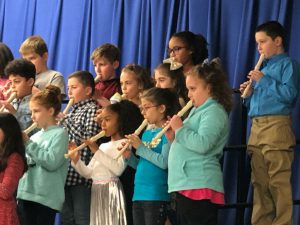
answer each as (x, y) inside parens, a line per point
(108, 202)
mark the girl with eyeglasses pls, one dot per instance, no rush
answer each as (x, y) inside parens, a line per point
(151, 196)
(188, 49)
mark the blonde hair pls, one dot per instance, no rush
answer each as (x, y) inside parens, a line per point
(108, 51)
(50, 97)
(141, 75)
(34, 44)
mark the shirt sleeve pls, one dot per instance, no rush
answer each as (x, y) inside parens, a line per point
(284, 89)
(12, 173)
(211, 128)
(84, 127)
(132, 161)
(58, 80)
(158, 159)
(51, 157)
(84, 170)
(115, 166)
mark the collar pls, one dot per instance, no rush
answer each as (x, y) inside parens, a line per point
(110, 81)
(50, 128)
(206, 104)
(84, 102)
(276, 58)
(24, 99)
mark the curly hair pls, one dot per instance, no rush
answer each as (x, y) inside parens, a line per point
(21, 67)
(213, 75)
(129, 116)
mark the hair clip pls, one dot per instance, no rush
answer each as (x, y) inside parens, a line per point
(206, 61)
(173, 64)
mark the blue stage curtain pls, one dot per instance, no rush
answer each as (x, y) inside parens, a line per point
(141, 29)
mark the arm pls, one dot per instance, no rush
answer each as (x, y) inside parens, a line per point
(58, 80)
(84, 127)
(115, 166)
(50, 157)
(133, 161)
(210, 131)
(12, 173)
(285, 89)
(158, 159)
(84, 170)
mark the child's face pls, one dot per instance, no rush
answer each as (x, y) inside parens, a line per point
(109, 123)
(268, 46)
(129, 84)
(1, 136)
(104, 69)
(179, 50)
(20, 85)
(162, 80)
(78, 91)
(152, 112)
(41, 115)
(40, 62)
(198, 90)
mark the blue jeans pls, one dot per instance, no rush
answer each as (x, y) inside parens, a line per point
(76, 208)
(149, 212)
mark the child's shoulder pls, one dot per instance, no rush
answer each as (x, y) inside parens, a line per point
(50, 72)
(88, 104)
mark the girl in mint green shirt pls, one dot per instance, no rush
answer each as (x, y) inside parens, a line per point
(195, 173)
(41, 189)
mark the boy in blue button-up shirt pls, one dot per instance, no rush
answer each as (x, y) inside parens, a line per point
(271, 141)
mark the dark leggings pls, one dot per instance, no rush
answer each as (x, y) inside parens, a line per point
(196, 212)
(33, 213)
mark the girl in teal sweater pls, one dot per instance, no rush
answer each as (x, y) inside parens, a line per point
(150, 185)
(194, 168)
(41, 189)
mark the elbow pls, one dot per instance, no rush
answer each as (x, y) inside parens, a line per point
(118, 171)
(50, 168)
(164, 165)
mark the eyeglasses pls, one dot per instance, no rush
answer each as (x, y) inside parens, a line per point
(175, 49)
(146, 108)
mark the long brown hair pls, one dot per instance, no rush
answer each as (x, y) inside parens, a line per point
(213, 75)
(13, 141)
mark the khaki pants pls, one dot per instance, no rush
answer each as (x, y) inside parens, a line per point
(270, 148)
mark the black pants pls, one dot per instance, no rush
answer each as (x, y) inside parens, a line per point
(127, 180)
(196, 212)
(149, 212)
(34, 213)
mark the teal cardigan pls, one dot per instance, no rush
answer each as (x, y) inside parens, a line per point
(45, 179)
(197, 148)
